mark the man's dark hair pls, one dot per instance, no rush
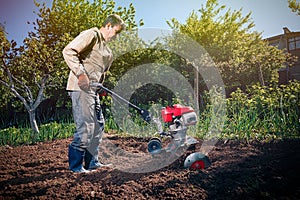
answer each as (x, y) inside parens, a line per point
(114, 20)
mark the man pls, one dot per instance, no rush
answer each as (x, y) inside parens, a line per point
(88, 57)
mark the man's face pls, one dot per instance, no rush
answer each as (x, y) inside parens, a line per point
(112, 32)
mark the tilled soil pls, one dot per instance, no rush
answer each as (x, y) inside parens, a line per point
(239, 170)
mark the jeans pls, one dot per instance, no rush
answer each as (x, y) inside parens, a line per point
(89, 120)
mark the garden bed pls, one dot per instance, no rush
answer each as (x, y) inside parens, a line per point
(239, 170)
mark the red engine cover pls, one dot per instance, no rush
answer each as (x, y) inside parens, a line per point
(174, 111)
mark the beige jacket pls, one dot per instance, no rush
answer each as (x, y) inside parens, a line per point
(88, 53)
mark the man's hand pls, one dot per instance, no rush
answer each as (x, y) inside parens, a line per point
(83, 82)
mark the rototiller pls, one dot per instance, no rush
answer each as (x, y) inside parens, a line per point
(177, 119)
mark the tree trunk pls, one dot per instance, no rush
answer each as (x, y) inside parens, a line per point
(33, 124)
(260, 75)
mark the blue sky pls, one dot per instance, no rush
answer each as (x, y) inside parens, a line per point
(269, 16)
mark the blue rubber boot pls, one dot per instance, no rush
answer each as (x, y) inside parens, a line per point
(92, 162)
(76, 160)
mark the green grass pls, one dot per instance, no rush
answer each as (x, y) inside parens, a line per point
(17, 136)
(261, 113)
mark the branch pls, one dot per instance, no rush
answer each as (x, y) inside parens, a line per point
(4, 83)
(27, 89)
(11, 85)
(16, 94)
(7, 72)
(36, 82)
(39, 98)
(12, 78)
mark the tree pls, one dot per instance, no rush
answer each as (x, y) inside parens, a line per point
(35, 70)
(241, 55)
(294, 6)
(21, 72)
